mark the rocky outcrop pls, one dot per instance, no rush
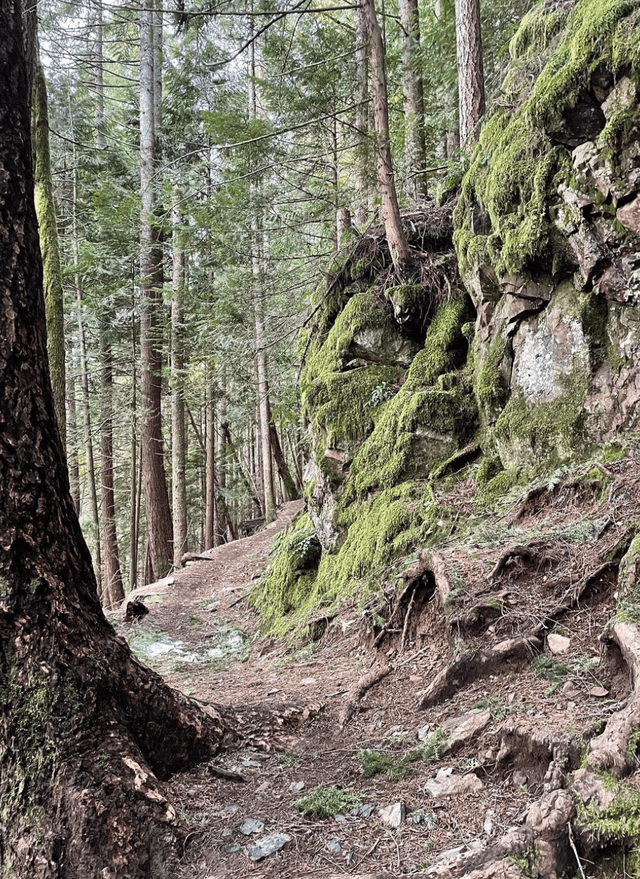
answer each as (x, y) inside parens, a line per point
(547, 235)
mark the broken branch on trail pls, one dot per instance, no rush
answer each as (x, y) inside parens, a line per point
(358, 690)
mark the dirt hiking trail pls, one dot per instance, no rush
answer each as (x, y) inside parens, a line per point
(433, 749)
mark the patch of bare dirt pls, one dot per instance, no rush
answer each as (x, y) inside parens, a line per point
(481, 609)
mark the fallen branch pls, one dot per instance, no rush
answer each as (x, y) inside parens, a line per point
(406, 620)
(356, 693)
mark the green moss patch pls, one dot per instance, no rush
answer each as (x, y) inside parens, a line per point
(289, 581)
(517, 166)
(430, 417)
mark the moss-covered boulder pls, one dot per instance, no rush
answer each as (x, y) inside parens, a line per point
(547, 236)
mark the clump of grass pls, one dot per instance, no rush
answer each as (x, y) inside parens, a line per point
(288, 759)
(325, 802)
(378, 763)
(394, 768)
(553, 670)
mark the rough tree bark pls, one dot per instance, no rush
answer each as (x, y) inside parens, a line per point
(85, 730)
(470, 68)
(396, 239)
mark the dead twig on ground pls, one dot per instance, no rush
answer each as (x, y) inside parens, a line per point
(359, 689)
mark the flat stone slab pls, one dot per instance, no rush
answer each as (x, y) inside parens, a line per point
(392, 816)
(466, 727)
(251, 825)
(267, 846)
(446, 784)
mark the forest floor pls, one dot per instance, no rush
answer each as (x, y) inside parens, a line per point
(440, 721)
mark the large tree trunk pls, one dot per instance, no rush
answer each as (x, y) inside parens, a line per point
(470, 68)
(415, 148)
(158, 510)
(396, 239)
(85, 729)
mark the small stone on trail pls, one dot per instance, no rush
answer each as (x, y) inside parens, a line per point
(598, 692)
(296, 786)
(308, 681)
(445, 784)
(251, 764)
(334, 846)
(429, 819)
(558, 643)
(424, 732)
(251, 825)
(235, 847)
(267, 846)
(393, 815)
(363, 811)
(466, 727)
(341, 819)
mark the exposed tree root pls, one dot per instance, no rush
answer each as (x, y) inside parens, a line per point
(470, 666)
(609, 751)
(359, 689)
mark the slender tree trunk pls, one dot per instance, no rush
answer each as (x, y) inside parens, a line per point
(178, 426)
(244, 475)
(46, 213)
(396, 238)
(288, 482)
(113, 590)
(84, 388)
(210, 467)
(415, 147)
(362, 168)
(84, 727)
(263, 410)
(72, 438)
(470, 68)
(158, 511)
(134, 479)
(221, 455)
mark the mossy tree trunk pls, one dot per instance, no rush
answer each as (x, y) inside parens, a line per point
(85, 729)
(46, 213)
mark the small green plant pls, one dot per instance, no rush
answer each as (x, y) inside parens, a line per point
(378, 763)
(549, 668)
(495, 705)
(434, 747)
(528, 861)
(288, 759)
(325, 802)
